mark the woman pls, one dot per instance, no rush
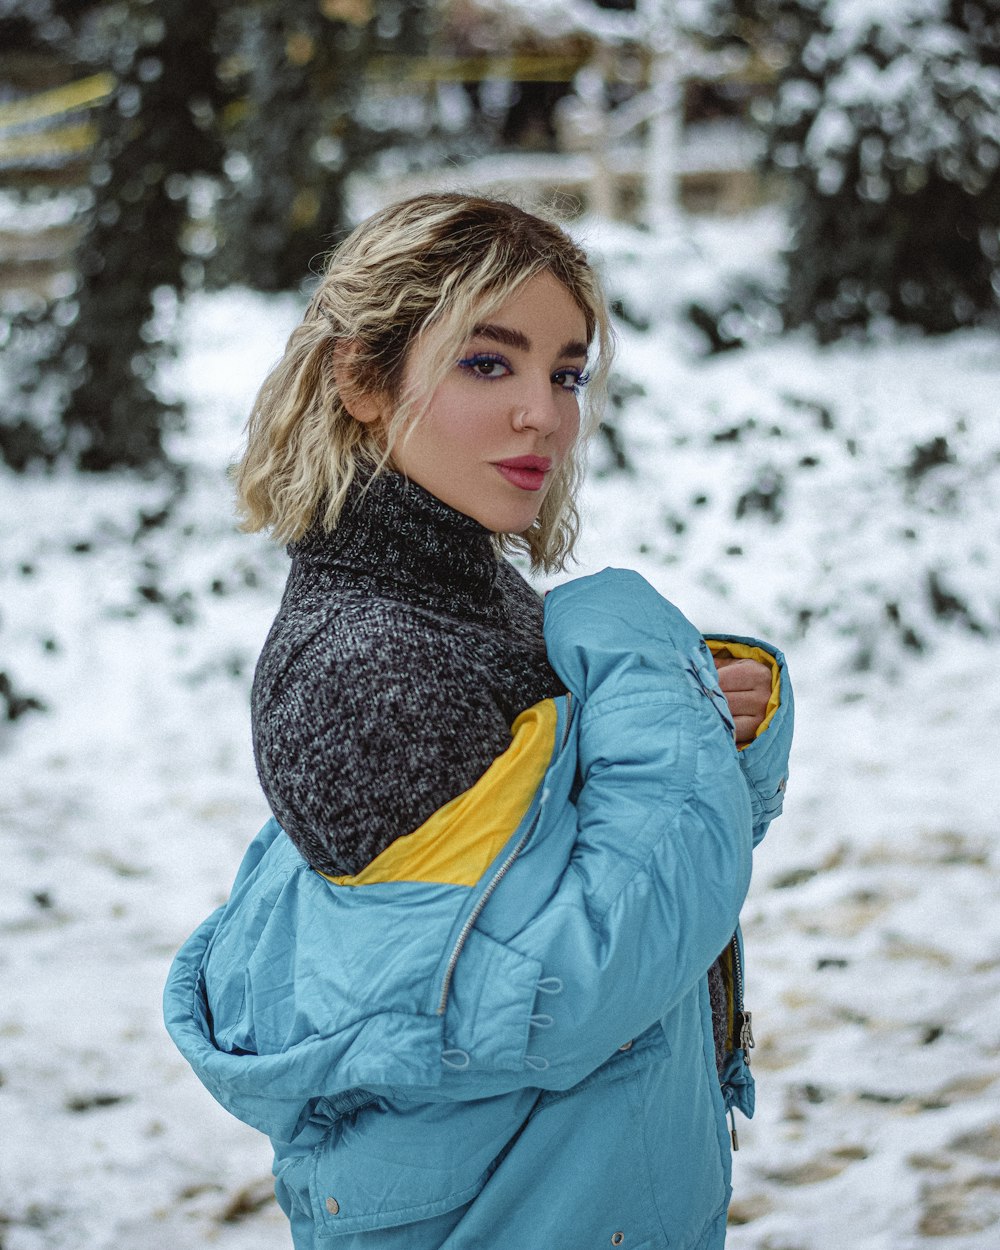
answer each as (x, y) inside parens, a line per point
(468, 980)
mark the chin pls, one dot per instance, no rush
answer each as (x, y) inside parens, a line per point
(508, 522)
(505, 515)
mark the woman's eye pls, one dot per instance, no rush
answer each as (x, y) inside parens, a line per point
(486, 366)
(571, 379)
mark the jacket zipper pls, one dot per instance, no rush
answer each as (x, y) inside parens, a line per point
(497, 877)
(743, 1038)
(742, 1019)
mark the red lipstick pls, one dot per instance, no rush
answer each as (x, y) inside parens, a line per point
(525, 472)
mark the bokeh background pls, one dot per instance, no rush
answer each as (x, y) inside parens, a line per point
(795, 207)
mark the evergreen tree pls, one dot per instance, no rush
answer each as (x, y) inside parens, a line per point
(92, 354)
(29, 429)
(156, 132)
(294, 71)
(302, 130)
(885, 119)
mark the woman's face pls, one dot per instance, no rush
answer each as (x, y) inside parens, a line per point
(503, 420)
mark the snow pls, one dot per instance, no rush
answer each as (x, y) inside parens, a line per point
(935, 100)
(872, 930)
(854, 17)
(26, 217)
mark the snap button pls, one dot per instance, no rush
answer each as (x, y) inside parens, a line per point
(627, 1046)
(332, 1205)
(617, 1239)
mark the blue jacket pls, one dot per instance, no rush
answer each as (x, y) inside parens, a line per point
(499, 1032)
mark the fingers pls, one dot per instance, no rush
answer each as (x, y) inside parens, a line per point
(746, 729)
(751, 703)
(737, 675)
(748, 710)
(747, 687)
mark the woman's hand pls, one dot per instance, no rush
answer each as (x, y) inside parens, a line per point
(747, 687)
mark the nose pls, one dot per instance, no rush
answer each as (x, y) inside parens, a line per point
(539, 408)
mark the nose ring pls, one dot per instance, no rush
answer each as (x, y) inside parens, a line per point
(519, 420)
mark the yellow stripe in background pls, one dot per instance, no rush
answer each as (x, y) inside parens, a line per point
(460, 841)
(743, 651)
(58, 101)
(526, 68)
(65, 141)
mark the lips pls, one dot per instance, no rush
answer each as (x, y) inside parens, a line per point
(525, 472)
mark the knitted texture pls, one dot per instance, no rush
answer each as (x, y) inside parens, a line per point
(403, 650)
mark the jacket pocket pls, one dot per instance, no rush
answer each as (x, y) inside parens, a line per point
(394, 1163)
(576, 1177)
(686, 1144)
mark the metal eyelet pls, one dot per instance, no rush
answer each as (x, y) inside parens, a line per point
(617, 1239)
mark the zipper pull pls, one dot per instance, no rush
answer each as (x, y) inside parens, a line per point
(747, 1042)
(732, 1129)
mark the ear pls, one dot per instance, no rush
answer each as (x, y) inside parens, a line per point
(368, 407)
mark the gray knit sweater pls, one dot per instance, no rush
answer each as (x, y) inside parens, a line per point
(403, 651)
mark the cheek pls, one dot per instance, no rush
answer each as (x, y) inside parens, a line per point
(461, 418)
(569, 430)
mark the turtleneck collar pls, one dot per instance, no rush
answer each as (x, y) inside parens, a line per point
(403, 542)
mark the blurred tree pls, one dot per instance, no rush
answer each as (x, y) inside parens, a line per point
(263, 101)
(25, 57)
(885, 119)
(19, 34)
(299, 69)
(157, 132)
(93, 353)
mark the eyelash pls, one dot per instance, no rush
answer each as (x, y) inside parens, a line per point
(580, 379)
(471, 363)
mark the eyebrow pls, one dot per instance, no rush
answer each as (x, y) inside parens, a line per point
(514, 338)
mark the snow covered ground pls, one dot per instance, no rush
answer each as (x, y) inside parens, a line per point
(844, 503)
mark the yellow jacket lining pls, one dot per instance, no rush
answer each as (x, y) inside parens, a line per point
(458, 843)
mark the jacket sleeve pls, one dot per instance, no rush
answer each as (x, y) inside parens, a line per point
(765, 760)
(662, 854)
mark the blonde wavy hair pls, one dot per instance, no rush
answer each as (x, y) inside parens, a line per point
(433, 266)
